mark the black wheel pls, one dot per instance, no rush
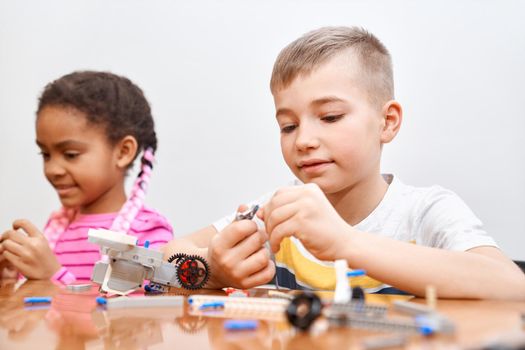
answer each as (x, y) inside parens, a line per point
(304, 310)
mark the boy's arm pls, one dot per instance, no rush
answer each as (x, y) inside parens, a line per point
(306, 213)
(482, 272)
(236, 255)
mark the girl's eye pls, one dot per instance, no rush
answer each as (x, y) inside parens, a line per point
(71, 155)
(288, 129)
(332, 118)
(44, 155)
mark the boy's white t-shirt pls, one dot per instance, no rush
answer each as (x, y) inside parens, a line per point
(427, 216)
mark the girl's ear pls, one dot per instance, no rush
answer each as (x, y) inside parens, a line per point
(392, 117)
(125, 151)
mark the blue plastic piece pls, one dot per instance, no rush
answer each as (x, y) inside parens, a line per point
(356, 273)
(212, 305)
(241, 325)
(31, 300)
(101, 301)
(146, 244)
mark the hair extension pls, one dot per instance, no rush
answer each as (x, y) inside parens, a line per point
(127, 214)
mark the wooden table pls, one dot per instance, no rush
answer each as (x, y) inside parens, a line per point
(73, 321)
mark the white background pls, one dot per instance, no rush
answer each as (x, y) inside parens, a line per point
(205, 67)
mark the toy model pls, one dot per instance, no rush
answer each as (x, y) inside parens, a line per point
(125, 266)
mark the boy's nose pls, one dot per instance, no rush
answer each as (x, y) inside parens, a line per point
(307, 138)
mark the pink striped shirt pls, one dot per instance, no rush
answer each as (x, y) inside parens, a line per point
(77, 256)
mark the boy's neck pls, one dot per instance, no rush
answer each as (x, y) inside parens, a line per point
(357, 202)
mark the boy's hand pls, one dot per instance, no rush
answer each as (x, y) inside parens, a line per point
(305, 213)
(238, 257)
(30, 254)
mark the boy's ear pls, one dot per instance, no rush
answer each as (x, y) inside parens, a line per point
(126, 150)
(392, 117)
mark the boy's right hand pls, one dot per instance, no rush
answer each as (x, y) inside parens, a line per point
(238, 257)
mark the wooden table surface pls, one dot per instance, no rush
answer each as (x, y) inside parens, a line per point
(73, 321)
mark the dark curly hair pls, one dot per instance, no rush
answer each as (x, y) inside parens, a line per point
(108, 100)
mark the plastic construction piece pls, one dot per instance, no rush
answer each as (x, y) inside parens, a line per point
(241, 325)
(234, 292)
(34, 300)
(142, 301)
(356, 273)
(278, 294)
(212, 305)
(79, 288)
(412, 308)
(193, 272)
(125, 266)
(241, 306)
(343, 292)
(303, 310)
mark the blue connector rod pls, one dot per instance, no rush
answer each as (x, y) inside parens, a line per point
(241, 325)
(32, 300)
(146, 244)
(212, 305)
(356, 273)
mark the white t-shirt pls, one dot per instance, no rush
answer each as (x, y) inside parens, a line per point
(427, 216)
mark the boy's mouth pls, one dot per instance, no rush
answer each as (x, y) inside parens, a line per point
(313, 165)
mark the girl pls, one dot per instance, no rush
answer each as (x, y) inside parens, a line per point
(90, 127)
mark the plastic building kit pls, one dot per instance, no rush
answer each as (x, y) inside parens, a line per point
(142, 301)
(125, 266)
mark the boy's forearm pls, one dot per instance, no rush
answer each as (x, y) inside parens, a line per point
(455, 274)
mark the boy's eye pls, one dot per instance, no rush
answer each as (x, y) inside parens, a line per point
(286, 129)
(332, 118)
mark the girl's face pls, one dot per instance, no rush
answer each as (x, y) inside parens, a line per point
(79, 161)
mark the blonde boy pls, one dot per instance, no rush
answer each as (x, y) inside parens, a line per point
(334, 98)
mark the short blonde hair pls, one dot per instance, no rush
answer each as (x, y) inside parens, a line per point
(314, 48)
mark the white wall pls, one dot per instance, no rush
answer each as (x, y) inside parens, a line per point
(205, 67)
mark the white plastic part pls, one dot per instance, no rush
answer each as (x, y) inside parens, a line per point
(343, 291)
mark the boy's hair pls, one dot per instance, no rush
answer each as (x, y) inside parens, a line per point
(121, 109)
(314, 48)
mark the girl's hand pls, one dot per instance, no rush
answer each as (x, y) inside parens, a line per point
(305, 213)
(30, 254)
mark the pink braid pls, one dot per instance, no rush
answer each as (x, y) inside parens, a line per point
(129, 210)
(57, 224)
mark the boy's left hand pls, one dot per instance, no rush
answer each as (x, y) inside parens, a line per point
(305, 213)
(31, 254)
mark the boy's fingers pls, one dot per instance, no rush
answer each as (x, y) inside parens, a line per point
(28, 227)
(260, 277)
(255, 262)
(249, 245)
(279, 215)
(285, 229)
(236, 232)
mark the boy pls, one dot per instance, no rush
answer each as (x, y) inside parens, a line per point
(334, 98)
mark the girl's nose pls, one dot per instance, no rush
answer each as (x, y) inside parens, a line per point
(53, 168)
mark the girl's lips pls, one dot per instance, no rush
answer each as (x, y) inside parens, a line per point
(64, 190)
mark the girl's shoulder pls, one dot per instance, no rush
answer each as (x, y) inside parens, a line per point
(148, 219)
